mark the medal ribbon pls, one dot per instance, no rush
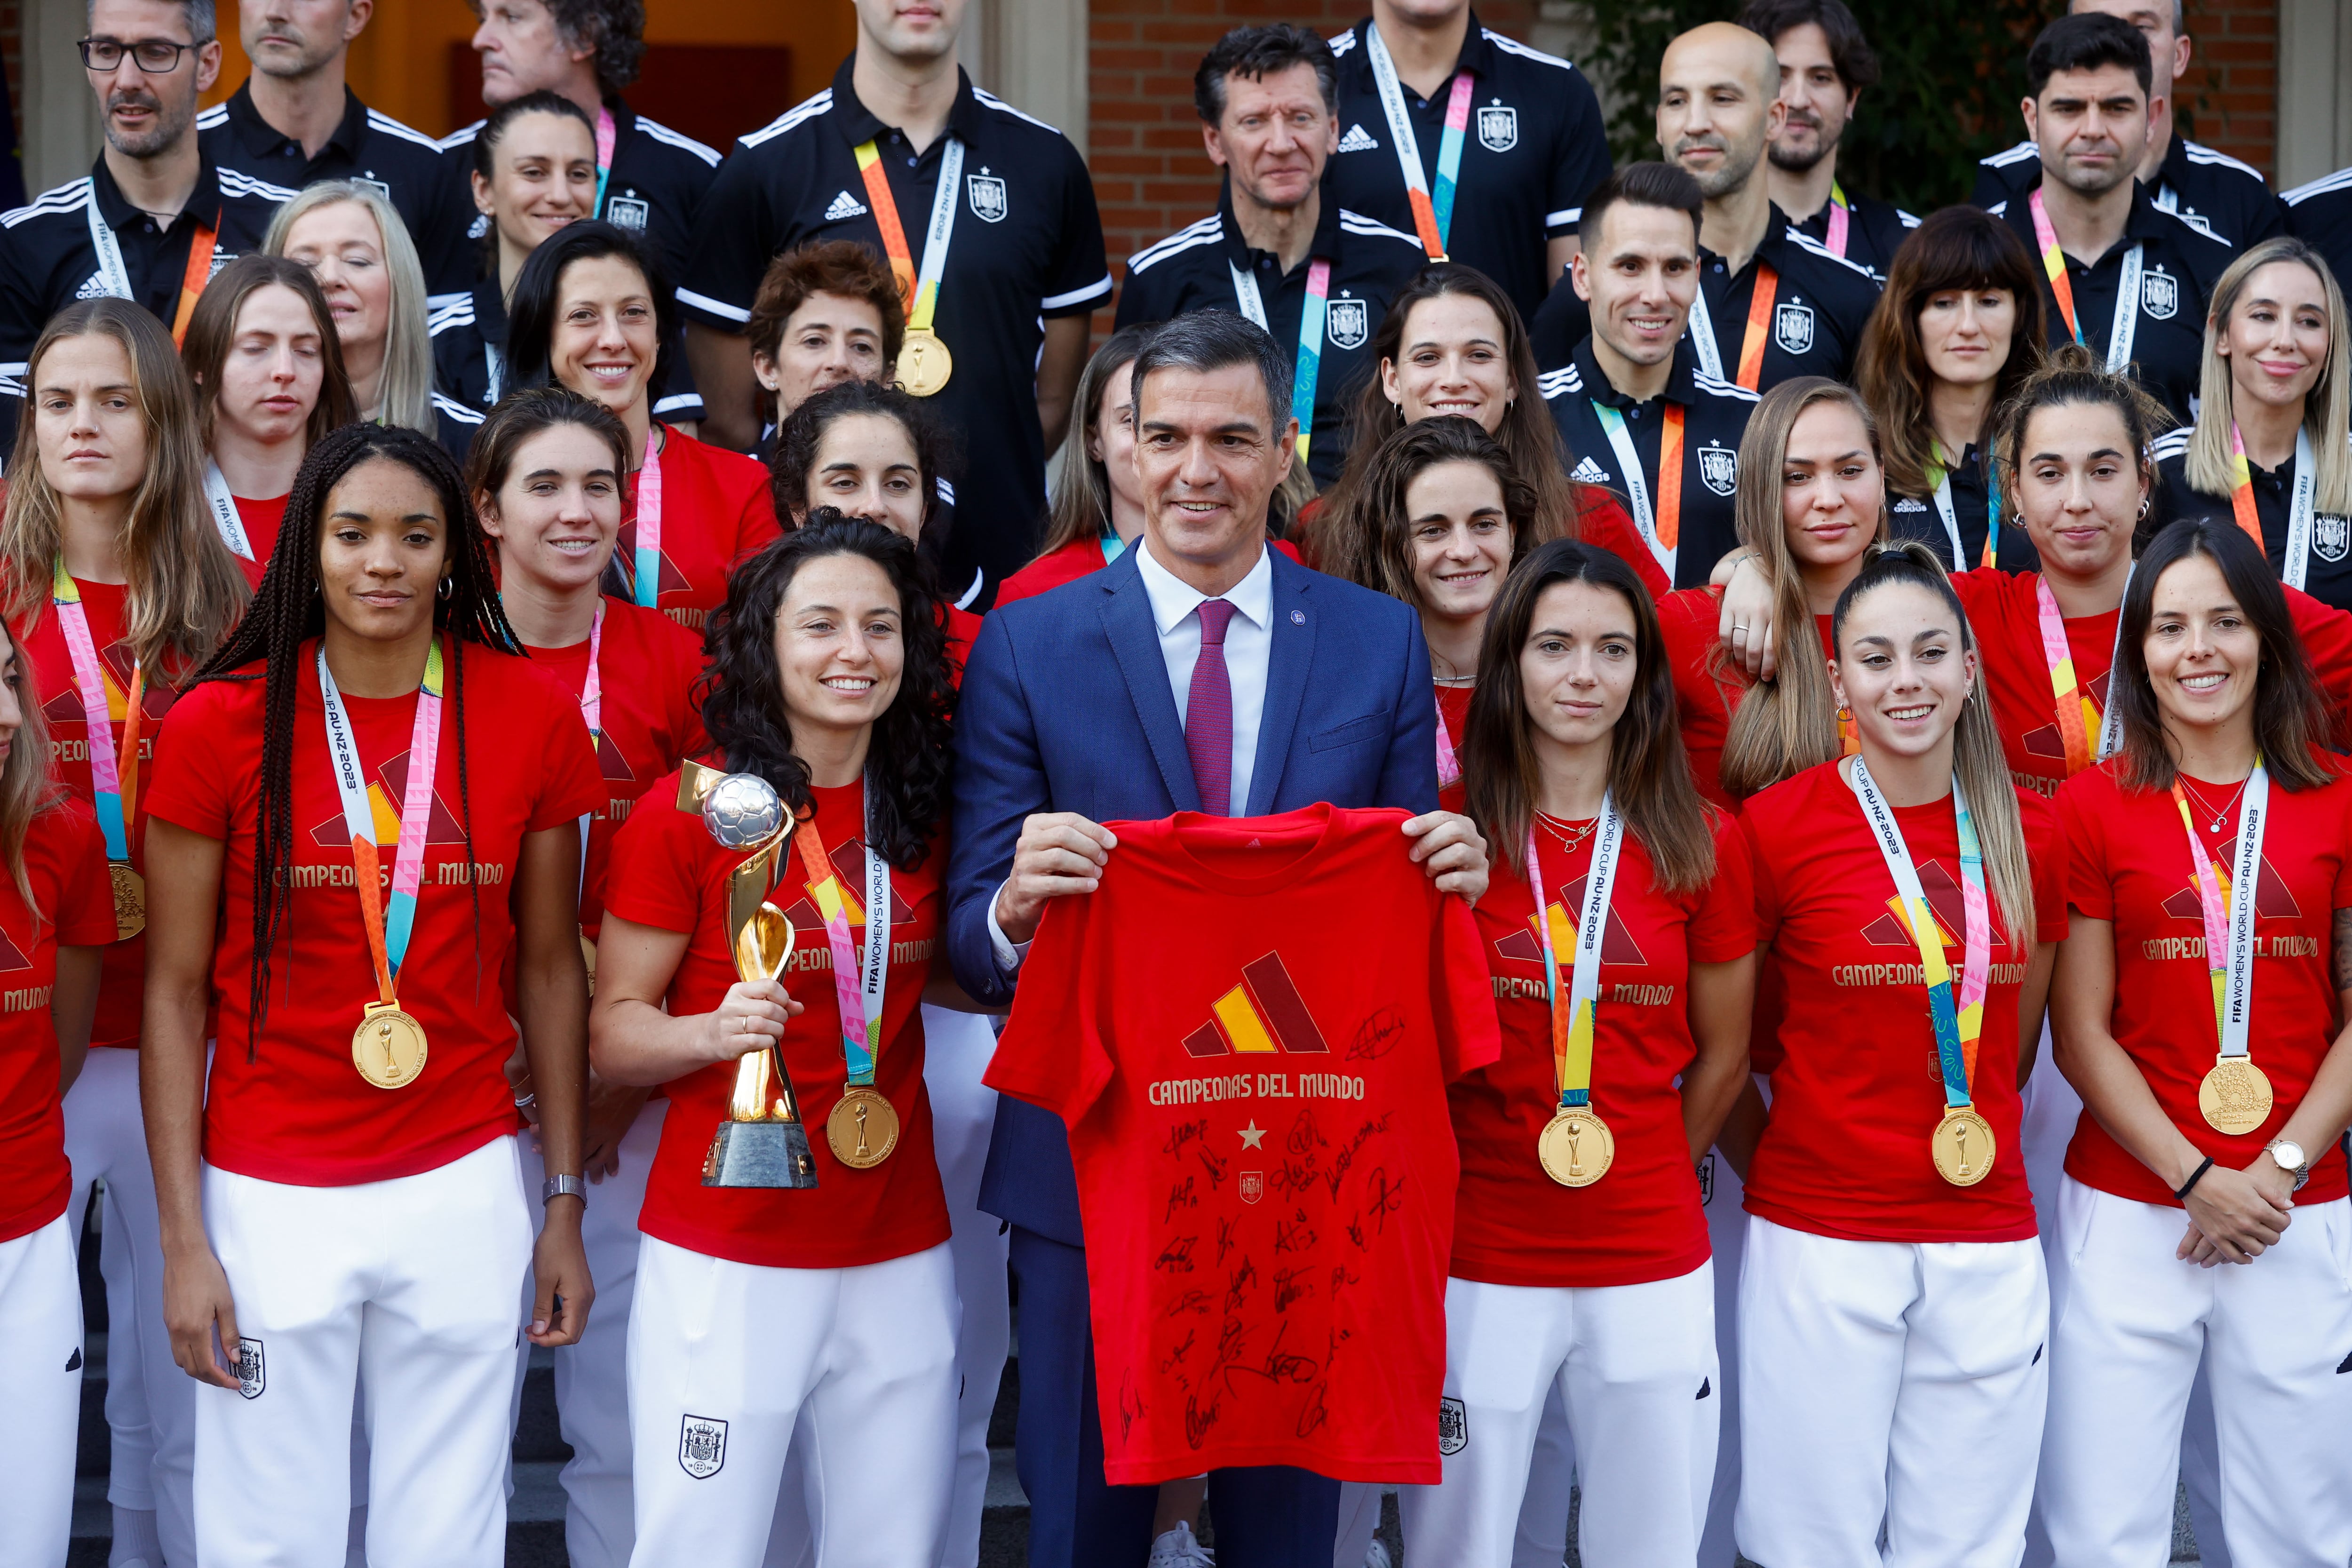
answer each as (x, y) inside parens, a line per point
(1661, 525)
(649, 521)
(1940, 477)
(2231, 935)
(1759, 326)
(1311, 313)
(116, 277)
(1573, 1025)
(1433, 215)
(2062, 287)
(1958, 1028)
(1839, 220)
(920, 291)
(1449, 766)
(1112, 545)
(607, 133)
(226, 516)
(114, 789)
(592, 709)
(859, 979)
(388, 930)
(2078, 716)
(2296, 567)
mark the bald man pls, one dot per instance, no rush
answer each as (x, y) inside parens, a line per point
(1773, 303)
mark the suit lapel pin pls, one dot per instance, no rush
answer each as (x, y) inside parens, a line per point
(1297, 617)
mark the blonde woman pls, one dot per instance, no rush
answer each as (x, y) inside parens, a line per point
(2272, 448)
(115, 582)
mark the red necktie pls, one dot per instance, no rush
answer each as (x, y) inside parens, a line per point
(1209, 713)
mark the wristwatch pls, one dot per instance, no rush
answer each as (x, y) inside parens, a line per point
(2289, 1158)
(555, 1187)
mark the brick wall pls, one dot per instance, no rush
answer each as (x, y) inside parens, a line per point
(2230, 97)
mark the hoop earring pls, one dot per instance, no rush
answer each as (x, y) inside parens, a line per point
(448, 589)
(2142, 508)
(1845, 714)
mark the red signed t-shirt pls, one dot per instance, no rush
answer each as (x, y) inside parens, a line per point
(290, 1106)
(1248, 1028)
(716, 510)
(1843, 1028)
(1512, 1224)
(65, 862)
(2130, 866)
(670, 874)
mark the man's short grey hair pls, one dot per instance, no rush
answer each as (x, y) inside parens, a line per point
(197, 13)
(1208, 341)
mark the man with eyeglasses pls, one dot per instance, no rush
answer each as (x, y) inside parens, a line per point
(156, 217)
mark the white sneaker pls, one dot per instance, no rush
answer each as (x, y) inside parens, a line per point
(1178, 1548)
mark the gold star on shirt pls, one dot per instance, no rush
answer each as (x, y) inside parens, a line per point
(1252, 1136)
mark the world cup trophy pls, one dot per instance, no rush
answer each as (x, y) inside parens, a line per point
(762, 1143)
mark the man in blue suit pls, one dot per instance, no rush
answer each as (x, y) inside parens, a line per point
(1200, 671)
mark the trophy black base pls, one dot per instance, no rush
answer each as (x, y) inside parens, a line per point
(760, 1154)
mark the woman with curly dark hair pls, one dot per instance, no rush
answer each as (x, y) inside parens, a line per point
(828, 679)
(363, 812)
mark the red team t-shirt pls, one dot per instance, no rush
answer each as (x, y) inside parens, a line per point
(296, 1109)
(1078, 558)
(124, 980)
(670, 873)
(1707, 690)
(646, 672)
(262, 520)
(2130, 865)
(1512, 1224)
(65, 861)
(716, 510)
(1843, 1029)
(1454, 713)
(1248, 1028)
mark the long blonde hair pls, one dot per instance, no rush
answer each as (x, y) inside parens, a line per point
(405, 391)
(2326, 409)
(27, 788)
(184, 588)
(1788, 724)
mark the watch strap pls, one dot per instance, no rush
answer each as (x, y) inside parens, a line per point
(555, 1187)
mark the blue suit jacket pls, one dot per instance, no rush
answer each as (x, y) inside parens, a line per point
(1066, 707)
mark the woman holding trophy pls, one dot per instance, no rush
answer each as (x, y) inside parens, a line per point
(795, 1255)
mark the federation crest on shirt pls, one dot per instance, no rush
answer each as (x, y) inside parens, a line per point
(1348, 324)
(986, 193)
(701, 1445)
(1792, 326)
(1718, 468)
(2331, 535)
(379, 186)
(2159, 294)
(1498, 128)
(627, 212)
(252, 1373)
(1253, 1186)
(1453, 1427)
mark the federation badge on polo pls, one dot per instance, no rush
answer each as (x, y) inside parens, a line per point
(1348, 324)
(1498, 127)
(380, 188)
(2331, 535)
(2159, 294)
(1793, 326)
(1453, 1427)
(1718, 468)
(701, 1445)
(252, 1371)
(627, 212)
(986, 193)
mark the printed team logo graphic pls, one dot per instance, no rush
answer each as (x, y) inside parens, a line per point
(2159, 294)
(1718, 468)
(2046, 741)
(12, 957)
(252, 1371)
(114, 668)
(701, 1447)
(1453, 1427)
(1498, 127)
(844, 889)
(986, 193)
(2331, 535)
(1253, 1186)
(627, 212)
(385, 792)
(1525, 945)
(623, 565)
(610, 763)
(1945, 901)
(2274, 900)
(1348, 324)
(1262, 1015)
(1793, 326)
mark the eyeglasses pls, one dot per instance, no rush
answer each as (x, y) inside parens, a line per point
(156, 56)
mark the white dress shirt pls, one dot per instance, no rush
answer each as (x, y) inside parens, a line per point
(1249, 643)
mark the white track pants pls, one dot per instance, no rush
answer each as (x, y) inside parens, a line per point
(1635, 1368)
(723, 1358)
(151, 1407)
(41, 1391)
(2132, 1326)
(956, 1050)
(411, 1286)
(1900, 1384)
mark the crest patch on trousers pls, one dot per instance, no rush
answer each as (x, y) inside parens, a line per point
(701, 1445)
(1453, 1427)
(252, 1371)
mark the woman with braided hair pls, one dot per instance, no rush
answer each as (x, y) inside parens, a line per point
(344, 871)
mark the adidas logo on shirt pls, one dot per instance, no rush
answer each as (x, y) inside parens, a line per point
(1358, 140)
(92, 286)
(845, 206)
(1907, 504)
(1589, 472)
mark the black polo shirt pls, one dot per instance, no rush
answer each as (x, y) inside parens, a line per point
(2211, 191)
(1192, 269)
(1027, 245)
(1874, 232)
(1715, 417)
(373, 149)
(1917, 517)
(2321, 214)
(469, 334)
(46, 260)
(1534, 150)
(2327, 573)
(2181, 263)
(655, 185)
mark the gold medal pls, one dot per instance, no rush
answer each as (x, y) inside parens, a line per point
(924, 362)
(129, 901)
(862, 1130)
(1576, 1148)
(1963, 1147)
(2235, 1096)
(388, 1047)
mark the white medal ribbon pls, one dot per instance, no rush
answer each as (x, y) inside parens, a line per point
(1702, 335)
(941, 231)
(2111, 717)
(224, 514)
(874, 964)
(344, 752)
(2245, 873)
(1637, 489)
(1400, 136)
(1592, 924)
(1951, 517)
(1252, 303)
(2300, 508)
(498, 368)
(110, 270)
(2126, 323)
